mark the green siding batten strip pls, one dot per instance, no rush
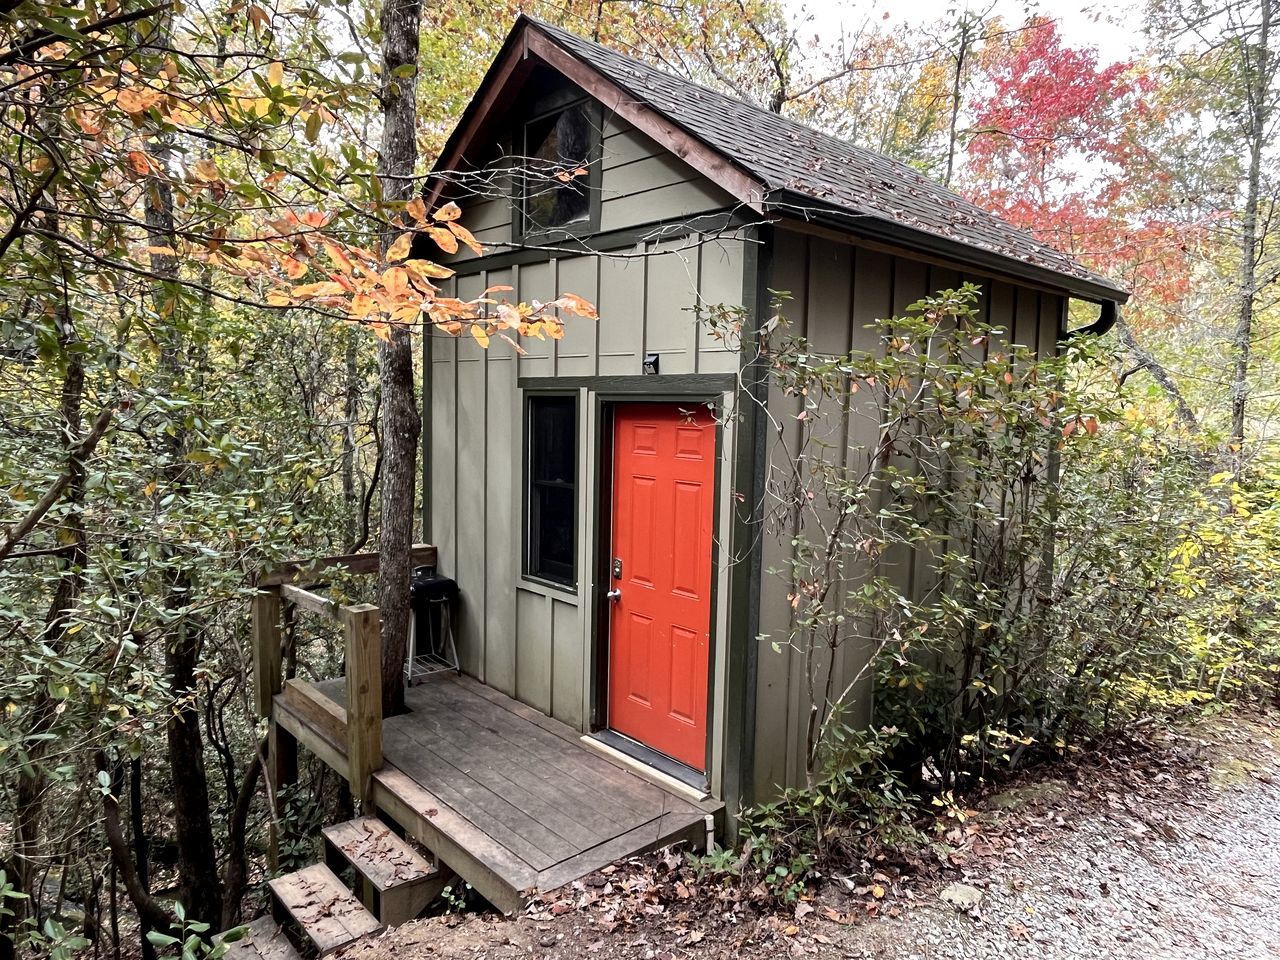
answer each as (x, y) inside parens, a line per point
(748, 482)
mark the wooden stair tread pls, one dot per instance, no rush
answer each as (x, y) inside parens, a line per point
(264, 941)
(326, 912)
(378, 854)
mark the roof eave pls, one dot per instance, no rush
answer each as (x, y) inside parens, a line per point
(887, 231)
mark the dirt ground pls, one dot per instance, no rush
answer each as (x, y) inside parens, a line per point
(1161, 849)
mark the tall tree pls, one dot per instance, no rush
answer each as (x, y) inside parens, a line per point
(397, 159)
(1066, 146)
(1223, 57)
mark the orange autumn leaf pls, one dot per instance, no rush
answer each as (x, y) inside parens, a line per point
(139, 162)
(294, 269)
(396, 281)
(444, 239)
(362, 305)
(338, 256)
(89, 121)
(519, 349)
(422, 269)
(448, 213)
(400, 249)
(136, 100)
(325, 288)
(417, 209)
(576, 304)
(463, 234)
(205, 169)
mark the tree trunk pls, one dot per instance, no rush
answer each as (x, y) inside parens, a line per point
(1147, 361)
(199, 884)
(351, 410)
(401, 25)
(953, 133)
(1258, 82)
(141, 854)
(28, 846)
(32, 782)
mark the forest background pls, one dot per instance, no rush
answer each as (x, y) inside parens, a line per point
(208, 310)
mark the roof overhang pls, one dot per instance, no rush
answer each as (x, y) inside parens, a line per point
(954, 254)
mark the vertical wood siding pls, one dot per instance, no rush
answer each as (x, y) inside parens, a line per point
(836, 289)
(530, 640)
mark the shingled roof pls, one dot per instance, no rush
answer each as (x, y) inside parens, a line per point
(803, 173)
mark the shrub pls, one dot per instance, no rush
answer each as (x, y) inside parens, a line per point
(1021, 558)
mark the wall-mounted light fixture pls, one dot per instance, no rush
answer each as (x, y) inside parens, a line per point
(651, 363)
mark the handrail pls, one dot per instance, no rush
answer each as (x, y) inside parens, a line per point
(308, 601)
(304, 573)
(362, 632)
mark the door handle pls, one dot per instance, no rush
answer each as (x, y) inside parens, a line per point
(614, 595)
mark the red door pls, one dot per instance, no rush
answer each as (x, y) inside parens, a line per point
(660, 577)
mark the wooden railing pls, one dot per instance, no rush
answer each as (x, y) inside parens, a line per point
(357, 728)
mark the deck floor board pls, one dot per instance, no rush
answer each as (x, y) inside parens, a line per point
(545, 754)
(563, 805)
(498, 815)
(514, 795)
(617, 786)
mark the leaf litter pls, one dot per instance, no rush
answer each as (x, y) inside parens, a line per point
(1140, 850)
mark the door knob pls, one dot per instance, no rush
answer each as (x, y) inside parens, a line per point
(614, 595)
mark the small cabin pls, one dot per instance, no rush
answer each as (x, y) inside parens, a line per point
(593, 509)
(597, 498)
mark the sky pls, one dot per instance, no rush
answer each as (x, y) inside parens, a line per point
(1116, 35)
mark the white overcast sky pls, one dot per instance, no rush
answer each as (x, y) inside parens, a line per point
(1116, 34)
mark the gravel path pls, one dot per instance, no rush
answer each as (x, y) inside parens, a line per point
(1165, 853)
(1182, 873)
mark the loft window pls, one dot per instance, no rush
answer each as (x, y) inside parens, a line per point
(560, 147)
(552, 438)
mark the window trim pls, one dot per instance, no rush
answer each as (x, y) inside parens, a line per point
(527, 552)
(520, 227)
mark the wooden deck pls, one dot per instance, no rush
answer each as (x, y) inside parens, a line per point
(509, 799)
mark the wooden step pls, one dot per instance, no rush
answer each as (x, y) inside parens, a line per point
(264, 941)
(325, 912)
(398, 882)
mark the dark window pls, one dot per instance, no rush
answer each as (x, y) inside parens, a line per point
(553, 467)
(559, 147)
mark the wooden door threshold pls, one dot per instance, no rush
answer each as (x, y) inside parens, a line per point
(653, 766)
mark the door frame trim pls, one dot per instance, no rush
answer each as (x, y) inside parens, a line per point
(706, 389)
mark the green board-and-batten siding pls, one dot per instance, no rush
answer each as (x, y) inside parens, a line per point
(535, 641)
(527, 639)
(834, 290)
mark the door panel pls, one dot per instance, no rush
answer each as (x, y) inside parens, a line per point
(659, 640)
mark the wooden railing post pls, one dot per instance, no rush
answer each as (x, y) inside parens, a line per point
(267, 652)
(268, 680)
(363, 627)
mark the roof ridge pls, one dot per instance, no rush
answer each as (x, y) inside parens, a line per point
(865, 183)
(741, 102)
